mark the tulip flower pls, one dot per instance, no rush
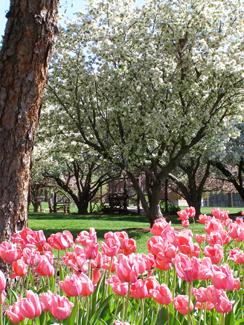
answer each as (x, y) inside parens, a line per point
(118, 287)
(19, 268)
(181, 304)
(61, 307)
(87, 286)
(2, 281)
(46, 300)
(187, 268)
(215, 253)
(30, 307)
(138, 289)
(86, 238)
(71, 285)
(161, 294)
(14, 313)
(60, 240)
(223, 278)
(127, 268)
(44, 267)
(9, 252)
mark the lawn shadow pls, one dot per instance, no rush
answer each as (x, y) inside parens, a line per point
(135, 233)
(89, 217)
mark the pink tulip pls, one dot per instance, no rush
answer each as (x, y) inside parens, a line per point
(46, 300)
(187, 268)
(14, 313)
(215, 253)
(118, 322)
(236, 255)
(30, 256)
(9, 252)
(44, 267)
(29, 236)
(127, 268)
(86, 238)
(191, 212)
(223, 278)
(205, 270)
(129, 246)
(200, 238)
(185, 223)
(138, 289)
(91, 251)
(87, 286)
(200, 294)
(183, 215)
(60, 240)
(162, 262)
(118, 287)
(220, 237)
(181, 304)
(71, 285)
(61, 307)
(184, 242)
(213, 294)
(161, 294)
(224, 305)
(203, 218)
(158, 226)
(19, 268)
(30, 307)
(204, 305)
(221, 215)
(111, 246)
(155, 245)
(2, 281)
(151, 284)
(213, 225)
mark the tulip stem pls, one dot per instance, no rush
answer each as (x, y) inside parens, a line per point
(189, 303)
(125, 307)
(1, 313)
(222, 319)
(142, 311)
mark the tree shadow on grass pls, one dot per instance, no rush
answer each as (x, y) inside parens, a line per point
(115, 217)
(135, 233)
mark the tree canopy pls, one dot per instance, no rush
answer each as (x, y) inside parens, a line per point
(144, 86)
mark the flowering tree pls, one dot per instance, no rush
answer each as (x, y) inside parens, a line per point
(76, 169)
(143, 86)
(26, 46)
(191, 179)
(231, 165)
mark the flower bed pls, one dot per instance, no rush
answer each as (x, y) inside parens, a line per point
(184, 277)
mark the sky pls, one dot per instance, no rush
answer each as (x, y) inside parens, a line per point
(67, 8)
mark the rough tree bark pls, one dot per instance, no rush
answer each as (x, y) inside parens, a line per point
(24, 55)
(193, 187)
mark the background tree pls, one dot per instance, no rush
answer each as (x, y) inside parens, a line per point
(231, 164)
(144, 86)
(191, 179)
(75, 168)
(24, 55)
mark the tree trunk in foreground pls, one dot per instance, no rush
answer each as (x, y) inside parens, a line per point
(26, 47)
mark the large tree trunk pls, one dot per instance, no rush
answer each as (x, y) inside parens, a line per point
(27, 42)
(151, 205)
(194, 200)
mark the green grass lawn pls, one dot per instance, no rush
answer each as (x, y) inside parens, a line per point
(137, 227)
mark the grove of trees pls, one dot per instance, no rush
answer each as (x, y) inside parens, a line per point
(145, 87)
